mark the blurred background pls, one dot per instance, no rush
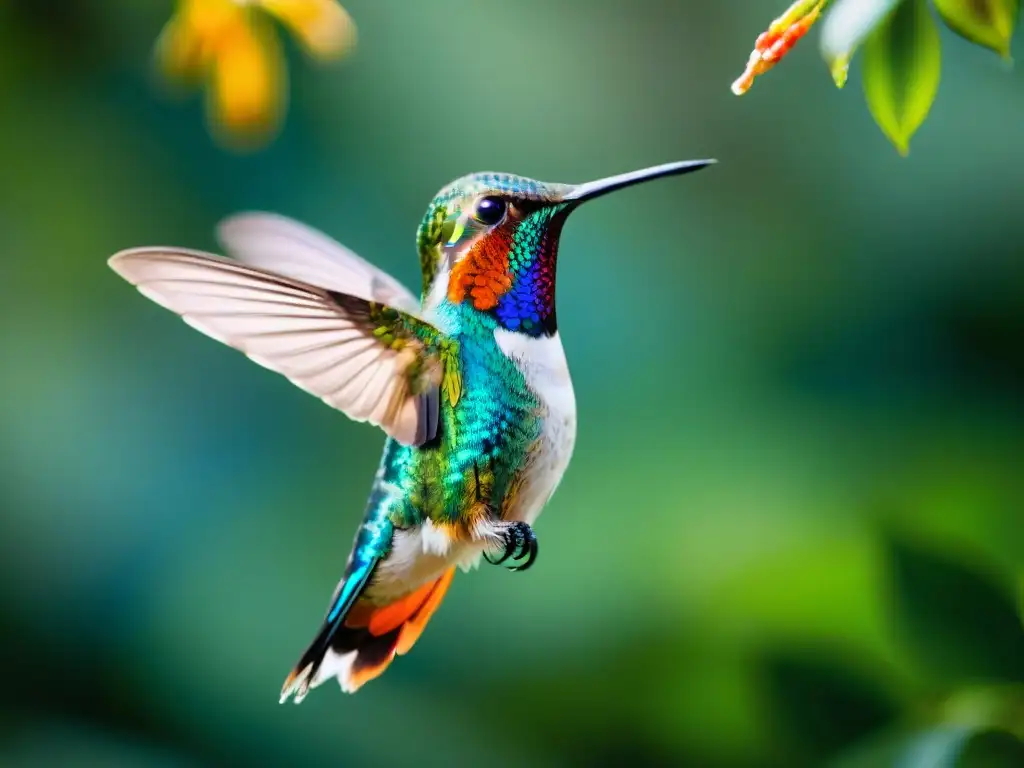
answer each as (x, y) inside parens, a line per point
(793, 530)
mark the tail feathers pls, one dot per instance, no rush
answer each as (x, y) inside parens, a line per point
(356, 645)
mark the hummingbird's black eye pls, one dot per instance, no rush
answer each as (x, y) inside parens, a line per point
(490, 210)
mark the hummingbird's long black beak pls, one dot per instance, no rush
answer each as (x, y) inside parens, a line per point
(592, 189)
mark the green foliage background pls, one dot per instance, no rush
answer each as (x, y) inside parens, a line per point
(792, 533)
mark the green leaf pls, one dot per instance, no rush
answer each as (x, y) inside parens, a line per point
(840, 69)
(901, 62)
(958, 625)
(1020, 597)
(986, 22)
(992, 749)
(821, 702)
(846, 26)
(950, 747)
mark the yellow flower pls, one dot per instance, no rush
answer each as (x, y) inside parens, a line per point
(776, 42)
(232, 45)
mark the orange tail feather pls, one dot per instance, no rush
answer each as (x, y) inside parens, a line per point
(392, 629)
(360, 644)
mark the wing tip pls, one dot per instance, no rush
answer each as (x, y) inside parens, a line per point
(233, 220)
(122, 261)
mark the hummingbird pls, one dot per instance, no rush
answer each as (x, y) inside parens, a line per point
(469, 383)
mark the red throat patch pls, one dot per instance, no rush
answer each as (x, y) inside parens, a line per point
(482, 275)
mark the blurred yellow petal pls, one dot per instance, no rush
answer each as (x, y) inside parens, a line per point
(323, 26)
(213, 19)
(179, 53)
(248, 89)
(189, 41)
(234, 44)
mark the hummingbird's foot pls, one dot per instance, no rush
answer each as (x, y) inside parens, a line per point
(520, 542)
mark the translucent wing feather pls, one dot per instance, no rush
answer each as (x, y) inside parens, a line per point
(371, 361)
(282, 245)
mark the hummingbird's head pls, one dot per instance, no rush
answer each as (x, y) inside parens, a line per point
(491, 240)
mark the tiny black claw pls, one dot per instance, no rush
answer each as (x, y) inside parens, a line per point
(520, 542)
(531, 554)
(525, 539)
(515, 541)
(499, 561)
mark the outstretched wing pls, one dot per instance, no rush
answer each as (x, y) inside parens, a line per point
(282, 245)
(371, 361)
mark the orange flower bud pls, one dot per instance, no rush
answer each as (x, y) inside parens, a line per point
(780, 37)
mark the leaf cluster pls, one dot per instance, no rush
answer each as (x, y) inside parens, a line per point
(900, 51)
(897, 44)
(963, 631)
